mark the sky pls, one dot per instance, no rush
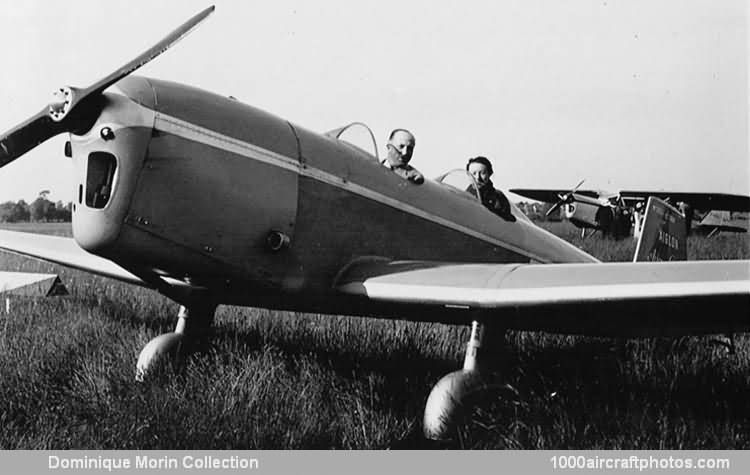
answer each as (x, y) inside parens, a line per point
(635, 94)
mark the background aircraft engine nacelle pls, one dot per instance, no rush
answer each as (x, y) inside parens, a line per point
(582, 214)
(106, 162)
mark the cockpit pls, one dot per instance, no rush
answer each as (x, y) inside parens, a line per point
(462, 182)
(359, 137)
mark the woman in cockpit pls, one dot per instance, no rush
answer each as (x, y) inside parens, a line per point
(494, 200)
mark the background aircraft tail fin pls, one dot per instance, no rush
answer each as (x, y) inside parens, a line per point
(663, 235)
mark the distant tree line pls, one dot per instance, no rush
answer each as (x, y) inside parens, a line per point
(40, 210)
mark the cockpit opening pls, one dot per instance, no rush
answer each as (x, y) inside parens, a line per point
(463, 182)
(357, 135)
(100, 174)
(460, 180)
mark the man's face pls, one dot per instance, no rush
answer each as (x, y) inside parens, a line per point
(480, 173)
(400, 148)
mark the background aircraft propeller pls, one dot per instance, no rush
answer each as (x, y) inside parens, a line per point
(76, 110)
(564, 199)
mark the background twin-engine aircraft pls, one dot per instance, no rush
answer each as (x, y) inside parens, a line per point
(210, 201)
(615, 214)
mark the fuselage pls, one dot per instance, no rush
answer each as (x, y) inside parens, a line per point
(176, 181)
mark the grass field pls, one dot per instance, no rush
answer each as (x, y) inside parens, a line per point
(285, 380)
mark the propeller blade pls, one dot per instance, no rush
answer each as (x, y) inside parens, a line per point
(564, 199)
(27, 135)
(577, 186)
(149, 54)
(554, 208)
(79, 96)
(60, 117)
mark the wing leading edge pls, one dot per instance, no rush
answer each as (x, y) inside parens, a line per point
(64, 251)
(627, 299)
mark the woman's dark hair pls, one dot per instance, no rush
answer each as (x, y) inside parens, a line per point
(480, 159)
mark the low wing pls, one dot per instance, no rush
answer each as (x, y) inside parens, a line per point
(702, 201)
(65, 251)
(618, 299)
(550, 196)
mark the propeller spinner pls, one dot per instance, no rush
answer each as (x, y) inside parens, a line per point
(564, 199)
(75, 110)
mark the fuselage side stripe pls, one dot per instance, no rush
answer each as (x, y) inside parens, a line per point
(181, 128)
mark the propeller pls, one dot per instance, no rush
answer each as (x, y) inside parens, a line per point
(75, 110)
(564, 199)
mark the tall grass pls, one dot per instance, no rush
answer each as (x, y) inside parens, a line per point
(289, 380)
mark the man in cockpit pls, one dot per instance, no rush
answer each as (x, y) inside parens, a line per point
(494, 200)
(400, 149)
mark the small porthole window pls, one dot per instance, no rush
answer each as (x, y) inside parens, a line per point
(99, 177)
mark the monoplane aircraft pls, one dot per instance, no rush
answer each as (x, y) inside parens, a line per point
(210, 201)
(615, 213)
(717, 221)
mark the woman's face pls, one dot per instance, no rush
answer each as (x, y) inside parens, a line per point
(480, 173)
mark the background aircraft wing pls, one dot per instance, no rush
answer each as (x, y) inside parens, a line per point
(616, 299)
(701, 201)
(550, 196)
(65, 251)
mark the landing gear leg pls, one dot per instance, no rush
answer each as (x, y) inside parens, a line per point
(446, 402)
(193, 323)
